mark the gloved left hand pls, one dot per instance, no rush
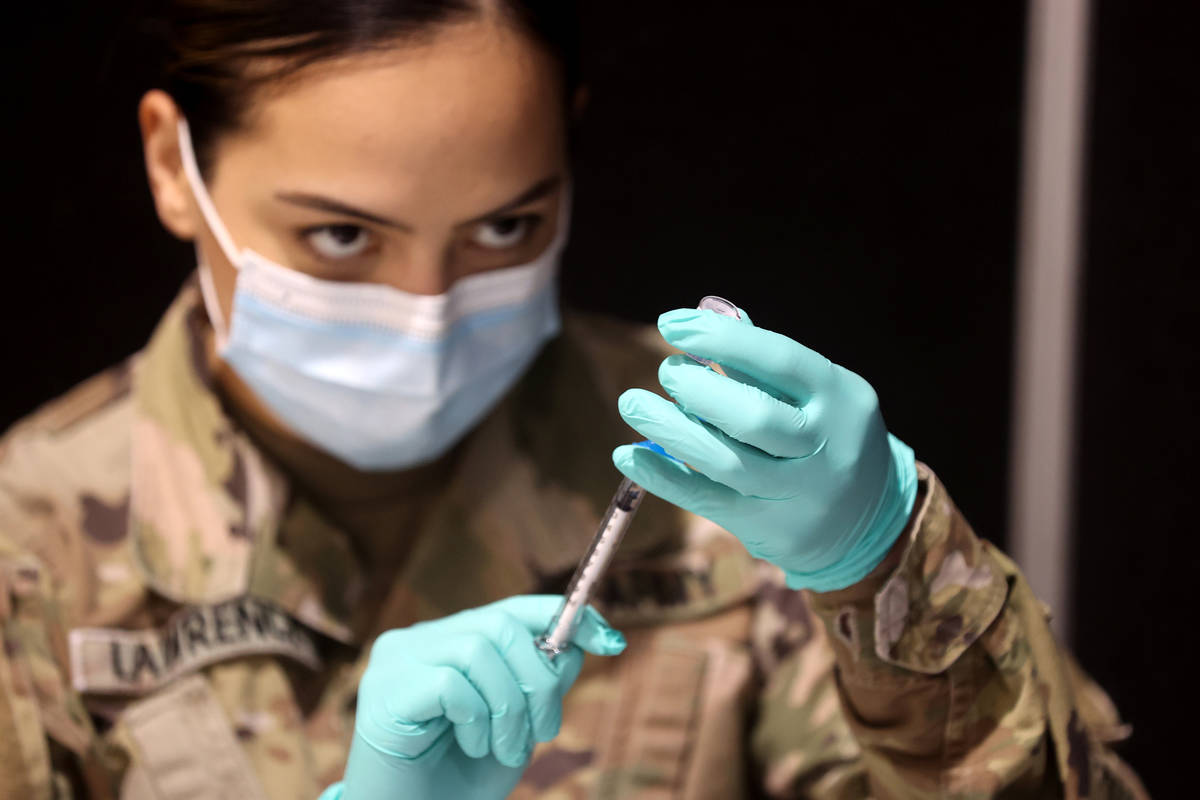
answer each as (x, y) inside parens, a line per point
(453, 707)
(788, 451)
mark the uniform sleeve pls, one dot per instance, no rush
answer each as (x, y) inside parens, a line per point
(943, 680)
(48, 747)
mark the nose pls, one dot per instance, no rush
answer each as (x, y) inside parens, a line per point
(428, 270)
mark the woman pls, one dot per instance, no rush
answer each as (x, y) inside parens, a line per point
(294, 546)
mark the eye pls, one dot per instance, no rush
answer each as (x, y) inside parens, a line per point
(505, 232)
(338, 241)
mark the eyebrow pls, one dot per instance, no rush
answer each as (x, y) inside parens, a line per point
(535, 192)
(321, 203)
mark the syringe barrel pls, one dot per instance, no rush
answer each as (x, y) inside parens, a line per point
(592, 567)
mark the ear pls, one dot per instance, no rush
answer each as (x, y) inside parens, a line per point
(158, 118)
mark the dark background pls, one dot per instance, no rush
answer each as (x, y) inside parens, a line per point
(848, 176)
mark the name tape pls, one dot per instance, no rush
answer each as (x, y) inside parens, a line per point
(110, 660)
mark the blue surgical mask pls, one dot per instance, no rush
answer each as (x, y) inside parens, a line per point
(380, 378)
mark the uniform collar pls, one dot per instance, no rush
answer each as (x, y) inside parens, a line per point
(206, 506)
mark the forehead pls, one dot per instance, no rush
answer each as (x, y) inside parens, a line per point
(474, 109)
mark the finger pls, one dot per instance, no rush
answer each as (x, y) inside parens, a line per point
(676, 483)
(534, 611)
(743, 468)
(744, 412)
(594, 635)
(476, 657)
(401, 723)
(536, 676)
(568, 663)
(465, 708)
(766, 356)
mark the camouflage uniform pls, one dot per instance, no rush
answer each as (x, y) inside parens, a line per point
(182, 618)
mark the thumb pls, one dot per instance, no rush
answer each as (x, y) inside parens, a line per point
(596, 636)
(535, 611)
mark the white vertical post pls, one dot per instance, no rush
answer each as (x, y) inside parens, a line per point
(1043, 421)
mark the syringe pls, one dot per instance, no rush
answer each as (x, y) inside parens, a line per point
(604, 545)
(594, 564)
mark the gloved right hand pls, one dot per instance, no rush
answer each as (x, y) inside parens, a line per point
(453, 707)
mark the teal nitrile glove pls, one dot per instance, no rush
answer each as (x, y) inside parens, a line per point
(452, 707)
(789, 453)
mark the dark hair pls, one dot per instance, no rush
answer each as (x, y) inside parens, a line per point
(210, 45)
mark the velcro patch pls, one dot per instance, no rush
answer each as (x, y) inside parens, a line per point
(114, 661)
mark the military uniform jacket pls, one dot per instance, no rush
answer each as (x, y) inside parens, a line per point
(181, 620)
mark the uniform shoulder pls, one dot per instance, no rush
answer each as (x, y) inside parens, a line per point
(76, 406)
(78, 442)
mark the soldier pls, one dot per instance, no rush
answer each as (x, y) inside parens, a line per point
(297, 545)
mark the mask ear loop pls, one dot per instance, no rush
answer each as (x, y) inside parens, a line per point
(208, 289)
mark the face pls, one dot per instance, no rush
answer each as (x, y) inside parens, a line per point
(412, 168)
